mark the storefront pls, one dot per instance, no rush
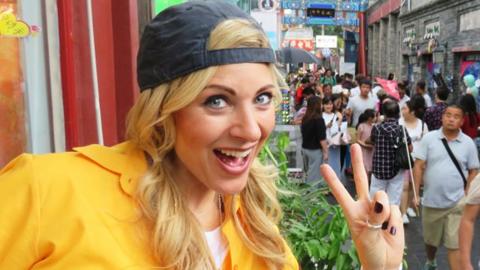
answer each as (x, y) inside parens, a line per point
(53, 55)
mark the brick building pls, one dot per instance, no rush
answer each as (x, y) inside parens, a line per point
(416, 38)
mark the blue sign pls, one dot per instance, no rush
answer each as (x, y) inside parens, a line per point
(321, 21)
(285, 4)
(340, 21)
(352, 5)
(321, 5)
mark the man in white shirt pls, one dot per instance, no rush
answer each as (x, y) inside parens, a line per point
(356, 90)
(358, 104)
(421, 90)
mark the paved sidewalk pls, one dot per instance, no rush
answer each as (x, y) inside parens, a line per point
(416, 254)
(414, 241)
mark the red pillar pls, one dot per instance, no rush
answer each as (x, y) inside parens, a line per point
(126, 36)
(116, 43)
(362, 53)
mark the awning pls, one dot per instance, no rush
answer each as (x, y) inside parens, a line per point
(430, 35)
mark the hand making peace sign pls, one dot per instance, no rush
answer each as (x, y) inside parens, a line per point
(376, 227)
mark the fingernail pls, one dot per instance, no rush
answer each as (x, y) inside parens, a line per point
(393, 231)
(378, 207)
(385, 225)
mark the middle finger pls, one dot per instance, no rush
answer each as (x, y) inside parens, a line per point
(359, 173)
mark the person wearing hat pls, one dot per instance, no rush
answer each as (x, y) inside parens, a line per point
(185, 191)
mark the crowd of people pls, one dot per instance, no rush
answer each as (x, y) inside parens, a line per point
(439, 135)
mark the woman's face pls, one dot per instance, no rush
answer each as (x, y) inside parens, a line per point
(221, 132)
(338, 103)
(406, 112)
(328, 107)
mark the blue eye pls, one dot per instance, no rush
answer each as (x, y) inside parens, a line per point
(216, 102)
(264, 99)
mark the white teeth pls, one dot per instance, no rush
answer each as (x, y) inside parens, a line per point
(237, 154)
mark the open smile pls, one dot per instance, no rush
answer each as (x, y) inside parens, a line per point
(233, 161)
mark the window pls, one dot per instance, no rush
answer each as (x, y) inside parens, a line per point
(470, 21)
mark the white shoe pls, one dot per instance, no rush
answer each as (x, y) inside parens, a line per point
(405, 219)
(411, 212)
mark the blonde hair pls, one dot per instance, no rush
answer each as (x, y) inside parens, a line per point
(177, 239)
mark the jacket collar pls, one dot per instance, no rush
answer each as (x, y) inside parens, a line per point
(124, 159)
(129, 161)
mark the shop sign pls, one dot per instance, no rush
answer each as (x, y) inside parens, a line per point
(326, 41)
(299, 43)
(432, 30)
(267, 5)
(299, 38)
(410, 35)
(472, 58)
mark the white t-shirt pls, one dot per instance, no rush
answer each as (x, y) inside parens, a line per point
(416, 134)
(327, 117)
(402, 101)
(355, 91)
(218, 246)
(428, 100)
(337, 89)
(358, 105)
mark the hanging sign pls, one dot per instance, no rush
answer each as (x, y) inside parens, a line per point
(10, 26)
(268, 5)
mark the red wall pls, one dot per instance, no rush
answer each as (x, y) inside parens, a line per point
(116, 38)
(383, 10)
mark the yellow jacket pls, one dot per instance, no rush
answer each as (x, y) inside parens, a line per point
(75, 210)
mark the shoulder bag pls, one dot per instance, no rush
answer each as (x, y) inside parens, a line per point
(340, 138)
(455, 161)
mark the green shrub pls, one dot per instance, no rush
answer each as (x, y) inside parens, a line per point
(316, 230)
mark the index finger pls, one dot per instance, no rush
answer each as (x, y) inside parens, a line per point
(359, 173)
(338, 190)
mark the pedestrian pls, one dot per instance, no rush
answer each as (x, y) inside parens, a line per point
(421, 90)
(416, 129)
(467, 224)
(364, 130)
(314, 139)
(338, 88)
(386, 175)
(304, 82)
(355, 91)
(433, 114)
(335, 130)
(471, 120)
(446, 161)
(358, 104)
(186, 191)
(391, 77)
(326, 91)
(402, 92)
(307, 93)
(328, 78)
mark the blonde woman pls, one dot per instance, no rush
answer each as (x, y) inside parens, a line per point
(186, 190)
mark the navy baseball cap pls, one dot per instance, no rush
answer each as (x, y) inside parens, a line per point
(174, 44)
